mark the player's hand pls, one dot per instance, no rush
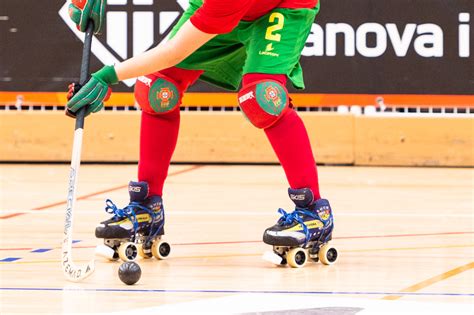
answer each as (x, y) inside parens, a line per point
(81, 11)
(73, 88)
(94, 92)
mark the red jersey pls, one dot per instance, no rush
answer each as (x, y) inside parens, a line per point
(221, 16)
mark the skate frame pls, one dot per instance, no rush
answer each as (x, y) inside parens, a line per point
(71, 271)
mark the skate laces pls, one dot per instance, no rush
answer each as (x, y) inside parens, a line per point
(129, 212)
(296, 216)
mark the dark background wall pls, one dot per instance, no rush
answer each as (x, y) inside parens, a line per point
(39, 52)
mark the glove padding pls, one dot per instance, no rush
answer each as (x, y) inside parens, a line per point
(94, 92)
(81, 11)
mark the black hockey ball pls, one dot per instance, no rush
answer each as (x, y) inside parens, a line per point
(129, 272)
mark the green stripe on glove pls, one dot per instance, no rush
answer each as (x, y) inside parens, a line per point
(94, 92)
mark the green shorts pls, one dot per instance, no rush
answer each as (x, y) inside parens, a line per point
(271, 44)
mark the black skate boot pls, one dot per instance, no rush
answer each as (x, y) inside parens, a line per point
(303, 233)
(134, 230)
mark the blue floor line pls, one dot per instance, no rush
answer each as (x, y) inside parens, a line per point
(243, 291)
(10, 259)
(41, 250)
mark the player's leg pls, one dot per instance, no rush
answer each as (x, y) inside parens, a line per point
(159, 95)
(142, 221)
(286, 133)
(266, 103)
(274, 46)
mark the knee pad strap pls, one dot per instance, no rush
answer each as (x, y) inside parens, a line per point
(157, 94)
(264, 102)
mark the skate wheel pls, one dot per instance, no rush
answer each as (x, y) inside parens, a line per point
(297, 257)
(160, 249)
(327, 254)
(106, 252)
(143, 252)
(128, 251)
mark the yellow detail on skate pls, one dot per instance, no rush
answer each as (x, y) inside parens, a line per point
(310, 225)
(144, 217)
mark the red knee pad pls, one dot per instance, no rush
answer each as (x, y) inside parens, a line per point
(264, 102)
(157, 94)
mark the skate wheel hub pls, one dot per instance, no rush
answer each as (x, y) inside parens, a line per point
(160, 249)
(128, 251)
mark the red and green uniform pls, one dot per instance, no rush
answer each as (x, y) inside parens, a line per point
(257, 40)
(259, 43)
(265, 36)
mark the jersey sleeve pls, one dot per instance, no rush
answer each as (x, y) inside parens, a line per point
(220, 16)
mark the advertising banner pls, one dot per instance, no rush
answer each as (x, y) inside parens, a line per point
(355, 46)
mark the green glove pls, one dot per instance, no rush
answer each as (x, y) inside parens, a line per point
(81, 11)
(94, 92)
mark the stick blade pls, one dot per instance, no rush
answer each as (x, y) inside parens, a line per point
(75, 273)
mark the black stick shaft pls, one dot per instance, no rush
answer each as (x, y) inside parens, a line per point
(85, 64)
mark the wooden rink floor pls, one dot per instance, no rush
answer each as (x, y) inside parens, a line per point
(404, 235)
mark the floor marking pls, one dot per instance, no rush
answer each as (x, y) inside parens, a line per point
(41, 250)
(409, 248)
(250, 241)
(257, 213)
(430, 281)
(256, 254)
(51, 205)
(237, 291)
(10, 259)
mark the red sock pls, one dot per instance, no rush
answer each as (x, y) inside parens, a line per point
(159, 134)
(290, 142)
(158, 137)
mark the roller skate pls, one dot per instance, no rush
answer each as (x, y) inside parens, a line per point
(303, 233)
(135, 230)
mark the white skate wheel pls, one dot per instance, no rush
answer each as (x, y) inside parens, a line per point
(297, 257)
(160, 249)
(327, 254)
(142, 253)
(128, 251)
(106, 252)
(272, 258)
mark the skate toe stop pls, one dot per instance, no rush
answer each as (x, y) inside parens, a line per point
(272, 258)
(105, 252)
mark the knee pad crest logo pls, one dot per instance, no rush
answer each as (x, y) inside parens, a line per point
(272, 97)
(131, 27)
(163, 96)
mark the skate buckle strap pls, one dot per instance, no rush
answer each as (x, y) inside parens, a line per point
(296, 216)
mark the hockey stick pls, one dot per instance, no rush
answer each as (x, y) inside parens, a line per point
(71, 271)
